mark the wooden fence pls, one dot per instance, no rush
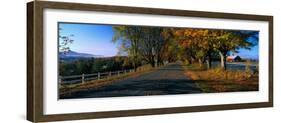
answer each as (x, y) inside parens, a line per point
(88, 77)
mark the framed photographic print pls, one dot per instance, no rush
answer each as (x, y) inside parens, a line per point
(96, 61)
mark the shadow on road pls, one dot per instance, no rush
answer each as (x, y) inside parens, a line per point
(140, 88)
(167, 80)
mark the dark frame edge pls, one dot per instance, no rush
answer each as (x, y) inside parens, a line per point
(160, 111)
(35, 62)
(153, 11)
(270, 39)
(30, 40)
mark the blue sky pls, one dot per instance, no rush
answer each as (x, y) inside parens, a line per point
(253, 53)
(90, 38)
(96, 39)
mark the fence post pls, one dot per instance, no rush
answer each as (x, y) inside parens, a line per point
(83, 78)
(118, 73)
(98, 75)
(109, 74)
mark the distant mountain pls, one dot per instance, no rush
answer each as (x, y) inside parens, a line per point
(73, 54)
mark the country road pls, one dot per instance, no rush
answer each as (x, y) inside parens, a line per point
(167, 80)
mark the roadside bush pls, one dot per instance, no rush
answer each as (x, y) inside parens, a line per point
(144, 67)
(197, 67)
(185, 62)
(219, 80)
(220, 74)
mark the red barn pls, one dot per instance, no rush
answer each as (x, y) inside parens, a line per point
(233, 59)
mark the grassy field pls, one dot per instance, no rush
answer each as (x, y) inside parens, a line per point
(218, 80)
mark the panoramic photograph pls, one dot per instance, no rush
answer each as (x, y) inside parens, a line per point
(101, 61)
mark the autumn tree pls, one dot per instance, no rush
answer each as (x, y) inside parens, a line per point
(196, 42)
(151, 45)
(226, 41)
(171, 50)
(130, 37)
(141, 43)
(203, 44)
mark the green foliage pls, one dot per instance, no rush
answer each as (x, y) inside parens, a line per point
(94, 65)
(65, 41)
(142, 44)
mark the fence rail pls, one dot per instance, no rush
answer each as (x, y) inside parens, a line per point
(88, 77)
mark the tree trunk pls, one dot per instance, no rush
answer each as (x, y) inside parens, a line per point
(200, 62)
(152, 63)
(159, 61)
(223, 60)
(135, 53)
(208, 64)
(135, 65)
(209, 61)
(192, 60)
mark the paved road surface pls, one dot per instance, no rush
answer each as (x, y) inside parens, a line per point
(164, 81)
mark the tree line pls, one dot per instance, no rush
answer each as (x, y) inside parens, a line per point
(140, 45)
(155, 45)
(78, 66)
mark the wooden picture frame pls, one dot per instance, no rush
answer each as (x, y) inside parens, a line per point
(35, 86)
